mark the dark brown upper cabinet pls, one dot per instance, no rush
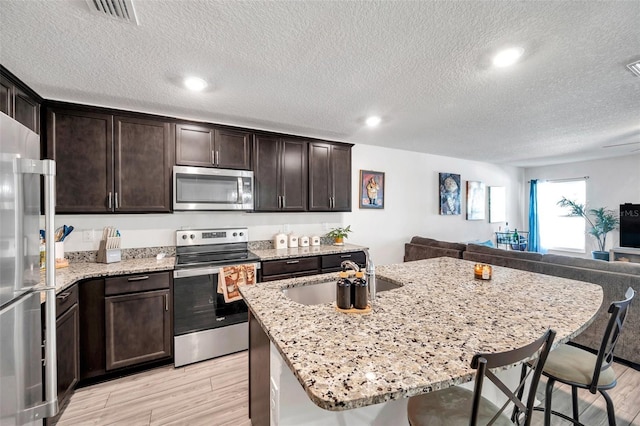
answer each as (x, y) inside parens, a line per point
(329, 176)
(108, 163)
(280, 173)
(206, 146)
(18, 101)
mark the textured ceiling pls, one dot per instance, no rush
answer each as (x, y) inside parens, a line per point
(318, 68)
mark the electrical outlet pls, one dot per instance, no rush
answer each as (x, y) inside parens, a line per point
(88, 236)
(286, 228)
(325, 226)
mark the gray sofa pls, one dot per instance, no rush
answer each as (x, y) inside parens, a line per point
(426, 248)
(614, 277)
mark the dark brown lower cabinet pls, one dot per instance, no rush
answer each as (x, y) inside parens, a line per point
(259, 374)
(68, 345)
(137, 326)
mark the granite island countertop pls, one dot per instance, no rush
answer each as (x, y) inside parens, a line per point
(420, 337)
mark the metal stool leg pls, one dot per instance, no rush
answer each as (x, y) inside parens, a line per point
(611, 414)
(574, 402)
(547, 401)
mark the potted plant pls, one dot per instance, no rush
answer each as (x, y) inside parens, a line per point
(603, 222)
(339, 234)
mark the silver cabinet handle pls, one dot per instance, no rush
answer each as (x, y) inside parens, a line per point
(166, 302)
(279, 201)
(213, 157)
(217, 156)
(292, 262)
(64, 296)
(109, 199)
(116, 200)
(140, 278)
(283, 201)
(345, 256)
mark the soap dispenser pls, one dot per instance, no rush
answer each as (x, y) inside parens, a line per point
(343, 292)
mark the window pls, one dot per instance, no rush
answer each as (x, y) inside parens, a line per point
(558, 231)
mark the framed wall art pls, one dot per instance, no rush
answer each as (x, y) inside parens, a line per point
(497, 206)
(475, 200)
(449, 193)
(371, 189)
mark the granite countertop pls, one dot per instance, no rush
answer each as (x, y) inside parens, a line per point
(65, 277)
(420, 337)
(273, 254)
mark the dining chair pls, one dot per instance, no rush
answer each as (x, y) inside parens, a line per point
(582, 369)
(458, 406)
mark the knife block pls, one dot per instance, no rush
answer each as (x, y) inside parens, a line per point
(106, 255)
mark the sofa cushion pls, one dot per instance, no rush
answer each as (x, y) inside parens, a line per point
(522, 255)
(438, 243)
(419, 251)
(622, 267)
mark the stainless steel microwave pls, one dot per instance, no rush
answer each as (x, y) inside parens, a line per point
(201, 188)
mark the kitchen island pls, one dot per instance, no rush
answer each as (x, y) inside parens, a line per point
(418, 338)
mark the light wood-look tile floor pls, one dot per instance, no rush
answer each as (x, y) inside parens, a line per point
(215, 393)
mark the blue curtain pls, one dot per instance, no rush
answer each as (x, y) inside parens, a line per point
(534, 229)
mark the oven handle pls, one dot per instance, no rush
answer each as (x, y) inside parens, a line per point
(183, 273)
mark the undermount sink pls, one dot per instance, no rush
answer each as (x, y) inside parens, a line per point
(321, 293)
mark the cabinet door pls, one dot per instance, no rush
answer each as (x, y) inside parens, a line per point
(265, 173)
(138, 328)
(293, 175)
(81, 144)
(341, 177)
(26, 110)
(194, 145)
(68, 351)
(232, 149)
(6, 94)
(320, 182)
(143, 161)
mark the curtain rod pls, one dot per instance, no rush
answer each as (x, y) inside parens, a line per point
(561, 180)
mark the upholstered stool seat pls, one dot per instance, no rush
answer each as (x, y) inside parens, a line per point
(571, 364)
(451, 407)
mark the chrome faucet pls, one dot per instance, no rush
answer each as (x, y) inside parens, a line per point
(350, 264)
(370, 271)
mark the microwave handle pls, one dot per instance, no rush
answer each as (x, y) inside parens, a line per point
(240, 190)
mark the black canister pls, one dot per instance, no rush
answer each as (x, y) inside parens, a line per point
(361, 291)
(343, 292)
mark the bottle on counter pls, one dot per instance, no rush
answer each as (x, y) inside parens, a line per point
(506, 228)
(343, 291)
(516, 237)
(360, 290)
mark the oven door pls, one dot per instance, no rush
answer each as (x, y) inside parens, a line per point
(198, 306)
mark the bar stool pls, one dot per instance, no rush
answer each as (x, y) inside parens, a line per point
(579, 368)
(457, 406)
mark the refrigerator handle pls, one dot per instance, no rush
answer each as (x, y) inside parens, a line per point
(49, 407)
(50, 353)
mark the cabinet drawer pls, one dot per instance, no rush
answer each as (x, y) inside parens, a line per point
(288, 266)
(138, 282)
(66, 299)
(333, 261)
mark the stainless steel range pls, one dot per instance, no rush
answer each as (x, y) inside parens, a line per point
(205, 326)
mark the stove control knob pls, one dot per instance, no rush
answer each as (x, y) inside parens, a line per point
(184, 237)
(235, 234)
(241, 234)
(192, 236)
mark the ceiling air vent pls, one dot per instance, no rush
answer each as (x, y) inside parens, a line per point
(121, 10)
(634, 67)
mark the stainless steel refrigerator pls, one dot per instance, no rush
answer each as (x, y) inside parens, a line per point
(27, 356)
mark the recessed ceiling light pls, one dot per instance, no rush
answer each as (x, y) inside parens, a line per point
(507, 57)
(195, 83)
(373, 121)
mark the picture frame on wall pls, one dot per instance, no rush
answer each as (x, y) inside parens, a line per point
(449, 193)
(372, 192)
(497, 204)
(476, 196)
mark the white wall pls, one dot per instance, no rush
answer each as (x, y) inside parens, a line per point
(411, 208)
(612, 181)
